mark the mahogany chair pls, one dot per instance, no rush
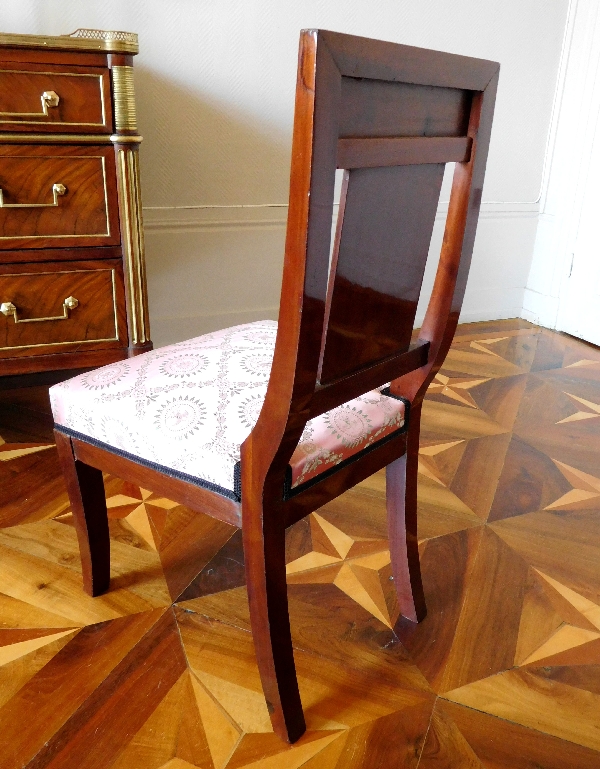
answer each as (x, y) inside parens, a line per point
(260, 425)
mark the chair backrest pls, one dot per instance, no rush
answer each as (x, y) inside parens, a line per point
(392, 116)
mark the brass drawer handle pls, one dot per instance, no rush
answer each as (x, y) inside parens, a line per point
(8, 308)
(57, 189)
(49, 99)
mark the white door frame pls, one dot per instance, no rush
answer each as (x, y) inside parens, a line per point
(562, 278)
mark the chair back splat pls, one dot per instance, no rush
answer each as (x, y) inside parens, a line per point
(177, 420)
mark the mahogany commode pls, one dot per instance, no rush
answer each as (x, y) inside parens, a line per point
(391, 116)
(72, 275)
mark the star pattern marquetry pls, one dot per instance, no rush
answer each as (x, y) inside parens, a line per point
(144, 514)
(18, 449)
(160, 672)
(564, 620)
(427, 462)
(483, 345)
(10, 451)
(359, 567)
(592, 410)
(455, 388)
(584, 362)
(586, 489)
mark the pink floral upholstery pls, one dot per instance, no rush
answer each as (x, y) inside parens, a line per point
(342, 432)
(188, 408)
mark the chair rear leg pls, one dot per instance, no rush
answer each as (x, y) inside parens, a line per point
(264, 553)
(85, 488)
(401, 499)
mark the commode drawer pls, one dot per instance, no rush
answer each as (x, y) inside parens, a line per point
(46, 97)
(59, 307)
(57, 196)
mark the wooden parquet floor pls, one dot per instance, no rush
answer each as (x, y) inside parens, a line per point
(160, 672)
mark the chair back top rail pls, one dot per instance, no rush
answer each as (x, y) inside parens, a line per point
(391, 116)
(402, 150)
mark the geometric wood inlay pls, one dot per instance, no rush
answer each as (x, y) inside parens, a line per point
(160, 672)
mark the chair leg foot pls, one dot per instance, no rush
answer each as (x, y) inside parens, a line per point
(267, 595)
(85, 488)
(401, 498)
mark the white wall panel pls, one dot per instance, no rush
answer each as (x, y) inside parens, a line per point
(215, 89)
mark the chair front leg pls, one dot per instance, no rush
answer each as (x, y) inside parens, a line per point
(401, 500)
(85, 488)
(264, 553)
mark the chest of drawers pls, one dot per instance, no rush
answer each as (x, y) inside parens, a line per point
(72, 273)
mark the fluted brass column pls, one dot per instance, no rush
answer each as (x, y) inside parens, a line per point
(127, 141)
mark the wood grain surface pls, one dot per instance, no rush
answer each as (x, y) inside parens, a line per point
(86, 215)
(39, 290)
(84, 104)
(56, 119)
(8, 54)
(504, 672)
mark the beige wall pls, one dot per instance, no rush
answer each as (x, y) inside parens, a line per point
(215, 84)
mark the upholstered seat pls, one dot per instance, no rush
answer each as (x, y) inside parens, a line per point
(188, 407)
